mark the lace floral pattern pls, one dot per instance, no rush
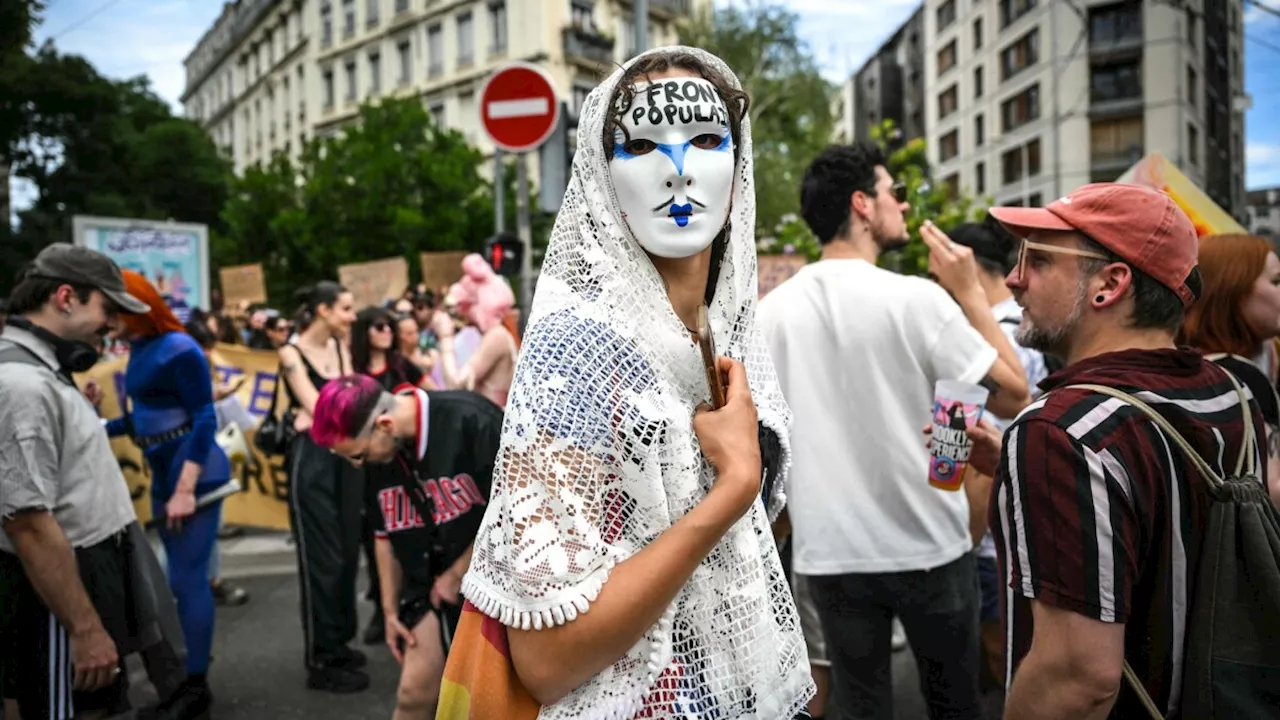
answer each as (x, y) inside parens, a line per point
(599, 457)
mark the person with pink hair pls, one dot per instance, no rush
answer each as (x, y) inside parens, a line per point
(485, 299)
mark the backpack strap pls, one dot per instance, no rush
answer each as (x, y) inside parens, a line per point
(1248, 452)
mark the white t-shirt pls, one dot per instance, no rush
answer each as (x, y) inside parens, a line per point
(858, 350)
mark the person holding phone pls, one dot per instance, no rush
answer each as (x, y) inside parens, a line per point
(429, 460)
(626, 549)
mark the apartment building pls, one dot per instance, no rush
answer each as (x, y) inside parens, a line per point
(1262, 212)
(1029, 99)
(889, 86)
(270, 74)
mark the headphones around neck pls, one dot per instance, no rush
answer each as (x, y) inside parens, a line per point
(73, 355)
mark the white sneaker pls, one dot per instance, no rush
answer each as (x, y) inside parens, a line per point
(899, 640)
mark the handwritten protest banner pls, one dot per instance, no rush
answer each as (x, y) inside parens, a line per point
(442, 269)
(243, 283)
(775, 270)
(264, 500)
(373, 282)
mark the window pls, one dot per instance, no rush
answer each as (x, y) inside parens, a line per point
(1115, 24)
(466, 39)
(351, 80)
(580, 93)
(1191, 27)
(1119, 140)
(951, 185)
(375, 73)
(1020, 109)
(627, 36)
(406, 63)
(497, 28)
(1036, 200)
(977, 82)
(371, 12)
(946, 14)
(402, 6)
(980, 178)
(1119, 81)
(949, 146)
(581, 15)
(977, 34)
(947, 102)
(1021, 55)
(435, 50)
(947, 58)
(467, 112)
(1193, 144)
(1192, 85)
(348, 18)
(979, 130)
(1011, 10)
(437, 113)
(1020, 162)
(328, 88)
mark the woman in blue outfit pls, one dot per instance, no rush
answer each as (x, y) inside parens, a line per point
(171, 418)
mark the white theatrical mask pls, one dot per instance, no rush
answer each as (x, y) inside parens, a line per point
(673, 167)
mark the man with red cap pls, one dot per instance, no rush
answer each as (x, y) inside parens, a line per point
(1098, 517)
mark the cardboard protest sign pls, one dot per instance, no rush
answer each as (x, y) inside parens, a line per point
(373, 282)
(775, 270)
(243, 283)
(442, 269)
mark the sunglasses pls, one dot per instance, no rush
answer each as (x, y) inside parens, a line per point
(381, 327)
(1028, 245)
(899, 191)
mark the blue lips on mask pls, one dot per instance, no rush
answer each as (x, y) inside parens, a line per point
(681, 213)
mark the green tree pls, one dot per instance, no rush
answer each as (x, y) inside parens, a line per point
(96, 146)
(790, 110)
(929, 199)
(393, 183)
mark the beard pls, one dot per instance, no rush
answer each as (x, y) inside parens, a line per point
(888, 243)
(1052, 340)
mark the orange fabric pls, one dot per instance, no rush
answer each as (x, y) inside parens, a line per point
(479, 682)
(160, 319)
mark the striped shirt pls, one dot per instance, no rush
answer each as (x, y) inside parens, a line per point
(1098, 513)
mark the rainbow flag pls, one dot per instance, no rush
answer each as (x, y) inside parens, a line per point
(480, 683)
(1155, 171)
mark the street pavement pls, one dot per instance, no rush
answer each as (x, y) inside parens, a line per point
(257, 672)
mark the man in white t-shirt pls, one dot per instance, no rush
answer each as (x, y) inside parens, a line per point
(995, 250)
(858, 351)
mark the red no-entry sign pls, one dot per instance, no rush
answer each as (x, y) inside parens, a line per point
(519, 107)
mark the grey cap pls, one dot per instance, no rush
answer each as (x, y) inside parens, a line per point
(82, 266)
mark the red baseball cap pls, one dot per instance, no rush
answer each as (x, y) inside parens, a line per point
(1145, 227)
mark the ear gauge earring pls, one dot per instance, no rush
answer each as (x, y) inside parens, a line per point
(1100, 299)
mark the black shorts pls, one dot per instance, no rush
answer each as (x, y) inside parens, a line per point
(35, 649)
(415, 603)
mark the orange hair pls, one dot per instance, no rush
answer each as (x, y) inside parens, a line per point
(159, 319)
(1229, 266)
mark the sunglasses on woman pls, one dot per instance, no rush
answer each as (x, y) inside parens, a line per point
(381, 326)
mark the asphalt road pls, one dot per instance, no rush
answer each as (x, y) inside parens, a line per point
(257, 672)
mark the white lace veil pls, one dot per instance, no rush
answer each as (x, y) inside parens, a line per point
(598, 457)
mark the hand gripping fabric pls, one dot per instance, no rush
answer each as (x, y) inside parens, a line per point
(599, 457)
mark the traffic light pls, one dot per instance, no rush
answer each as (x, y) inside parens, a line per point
(504, 253)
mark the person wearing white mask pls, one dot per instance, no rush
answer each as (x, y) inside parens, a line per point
(627, 547)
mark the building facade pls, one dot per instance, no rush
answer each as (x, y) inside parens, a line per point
(271, 74)
(889, 86)
(1027, 100)
(1262, 212)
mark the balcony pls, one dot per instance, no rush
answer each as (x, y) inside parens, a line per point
(587, 45)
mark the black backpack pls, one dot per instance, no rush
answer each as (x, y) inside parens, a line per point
(1231, 666)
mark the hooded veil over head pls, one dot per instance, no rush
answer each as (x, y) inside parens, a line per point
(599, 457)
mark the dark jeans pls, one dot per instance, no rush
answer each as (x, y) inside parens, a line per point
(938, 609)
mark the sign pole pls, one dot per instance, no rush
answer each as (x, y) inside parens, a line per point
(525, 231)
(499, 194)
